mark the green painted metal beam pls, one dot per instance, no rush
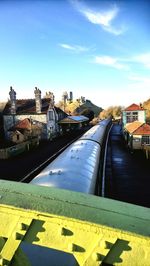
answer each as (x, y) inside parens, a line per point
(95, 230)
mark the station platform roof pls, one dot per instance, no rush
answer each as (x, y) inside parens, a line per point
(74, 119)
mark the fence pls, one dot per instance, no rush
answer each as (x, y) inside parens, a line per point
(18, 148)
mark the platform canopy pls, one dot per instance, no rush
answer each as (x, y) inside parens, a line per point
(74, 119)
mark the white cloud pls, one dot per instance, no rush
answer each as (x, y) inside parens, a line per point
(143, 59)
(101, 18)
(125, 63)
(110, 61)
(114, 30)
(138, 78)
(66, 46)
(75, 48)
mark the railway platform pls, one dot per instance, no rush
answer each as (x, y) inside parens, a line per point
(127, 173)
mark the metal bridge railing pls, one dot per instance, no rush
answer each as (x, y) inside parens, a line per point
(97, 231)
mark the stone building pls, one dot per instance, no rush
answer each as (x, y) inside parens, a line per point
(39, 110)
(25, 129)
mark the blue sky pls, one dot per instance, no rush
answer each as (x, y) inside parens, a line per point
(97, 49)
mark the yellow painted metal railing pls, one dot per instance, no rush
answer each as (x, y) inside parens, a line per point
(95, 230)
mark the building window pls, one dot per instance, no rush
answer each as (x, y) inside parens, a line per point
(135, 116)
(17, 137)
(131, 117)
(51, 115)
(145, 139)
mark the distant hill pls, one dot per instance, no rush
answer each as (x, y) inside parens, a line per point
(77, 108)
(90, 106)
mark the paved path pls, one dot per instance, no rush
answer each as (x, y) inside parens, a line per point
(127, 175)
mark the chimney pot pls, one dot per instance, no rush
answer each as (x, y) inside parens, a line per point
(38, 101)
(12, 94)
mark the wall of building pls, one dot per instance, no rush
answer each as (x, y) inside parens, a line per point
(18, 138)
(141, 116)
(49, 122)
(52, 123)
(11, 120)
(136, 142)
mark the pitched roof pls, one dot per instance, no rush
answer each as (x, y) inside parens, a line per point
(138, 128)
(143, 130)
(134, 107)
(18, 132)
(27, 106)
(78, 118)
(74, 119)
(131, 127)
(59, 110)
(27, 124)
(24, 124)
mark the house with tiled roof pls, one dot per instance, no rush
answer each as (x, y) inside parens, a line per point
(25, 129)
(131, 127)
(137, 134)
(133, 113)
(25, 113)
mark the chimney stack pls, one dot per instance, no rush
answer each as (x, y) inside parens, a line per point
(71, 96)
(38, 101)
(12, 94)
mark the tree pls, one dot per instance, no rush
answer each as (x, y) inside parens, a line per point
(146, 105)
(112, 111)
